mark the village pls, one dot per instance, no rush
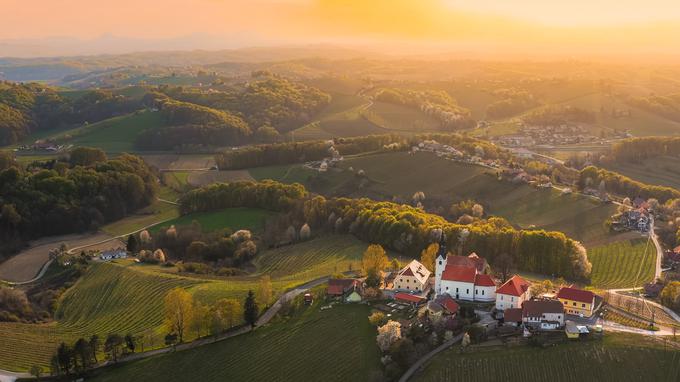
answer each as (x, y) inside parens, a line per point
(554, 135)
(463, 299)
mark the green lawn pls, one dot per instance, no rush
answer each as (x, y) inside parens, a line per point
(337, 344)
(616, 265)
(618, 357)
(234, 218)
(113, 135)
(124, 296)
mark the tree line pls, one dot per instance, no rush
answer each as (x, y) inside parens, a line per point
(298, 152)
(70, 195)
(639, 149)
(616, 183)
(402, 228)
(25, 108)
(436, 103)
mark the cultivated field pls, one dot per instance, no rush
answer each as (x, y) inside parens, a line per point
(661, 171)
(123, 296)
(234, 218)
(618, 357)
(619, 264)
(179, 162)
(113, 135)
(202, 178)
(337, 344)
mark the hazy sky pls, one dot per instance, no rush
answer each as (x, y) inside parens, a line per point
(589, 24)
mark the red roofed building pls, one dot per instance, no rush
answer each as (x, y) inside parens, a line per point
(414, 276)
(462, 279)
(513, 316)
(577, 301)
(340, 287)
(409, 298)
(512, 293)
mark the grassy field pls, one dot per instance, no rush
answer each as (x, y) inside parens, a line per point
(157, 212)
(618, 264)
(341, 118)
(113, 135)
(234, 218)
(660, 171)
(331, 345)
(123, 296)
(400, 118)
(618, 357)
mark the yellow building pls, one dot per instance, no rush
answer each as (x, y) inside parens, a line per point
(577, 301)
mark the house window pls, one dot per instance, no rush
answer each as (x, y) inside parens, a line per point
(467, 291)
(482, 292)
(476, 291)
(416, 288)
(565, 303)
(574, 303)
(407, 287)
(402, 280)
(501, 299)
(440, 262)
(456, 290)
(447, 288)
(583, 305)
(512, 299)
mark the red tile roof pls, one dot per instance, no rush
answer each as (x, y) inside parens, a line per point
(515, 286)
(458, 273)
(484, 280)
(512, 315)
(409, 298)
(448, 303)
(467, 261)
(574, 294)
(338, 287)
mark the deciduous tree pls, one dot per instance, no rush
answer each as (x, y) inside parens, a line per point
(178, 311)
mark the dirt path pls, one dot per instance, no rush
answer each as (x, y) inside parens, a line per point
(29, 263)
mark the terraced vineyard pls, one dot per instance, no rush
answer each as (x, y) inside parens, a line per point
(616, 265)
(126, 297)
(317, 257)
(619, 357)
(331, 345)
(619, 318)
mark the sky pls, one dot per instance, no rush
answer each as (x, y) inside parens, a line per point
(532, 25)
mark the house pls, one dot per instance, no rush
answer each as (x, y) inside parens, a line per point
(512, 293)
(577, 301)
(512, 317)
(449, 305)
(113, 254)
(461, 278)
(543, 314)
(341, 287)
(414, 276)
(408, 298)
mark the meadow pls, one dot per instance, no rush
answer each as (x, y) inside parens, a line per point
(158, 211)
(661, 171)
(618, 357)
(619, 264)
(126, 297)
(337, 344)
(234, 218)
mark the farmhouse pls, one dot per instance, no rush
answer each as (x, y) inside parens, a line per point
(512, 293)
(342, 287)
(113, 254)
(543, 314)
(414, 276)
(461, 278)
(577, 301)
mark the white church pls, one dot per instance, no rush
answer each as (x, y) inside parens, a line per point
(463, 278)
